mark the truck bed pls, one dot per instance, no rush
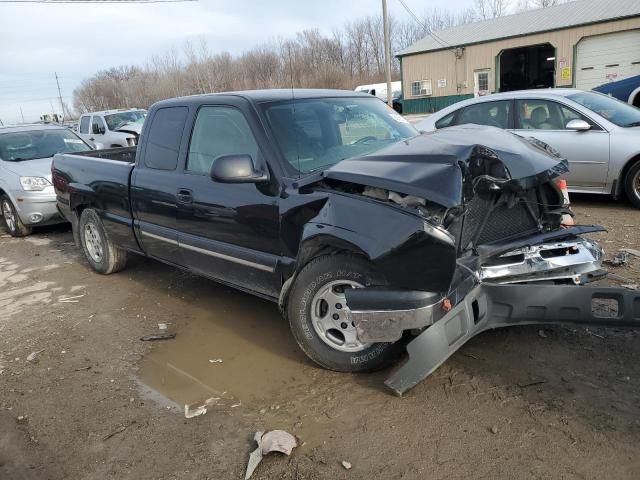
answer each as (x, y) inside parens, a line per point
(101, 177)
(122, 154)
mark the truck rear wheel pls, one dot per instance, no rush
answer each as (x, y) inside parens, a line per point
(11, 218)
(102, 254)
(316, 312)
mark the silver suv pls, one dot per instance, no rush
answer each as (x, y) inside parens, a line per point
(27, 197)
(112, 128)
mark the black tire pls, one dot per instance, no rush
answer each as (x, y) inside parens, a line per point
(14, 225)
(632, 184)
(316, 275)
(103, 255)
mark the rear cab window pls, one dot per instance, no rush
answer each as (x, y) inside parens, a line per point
(163, 140)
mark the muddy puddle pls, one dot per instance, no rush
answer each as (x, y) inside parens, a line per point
(230, 347)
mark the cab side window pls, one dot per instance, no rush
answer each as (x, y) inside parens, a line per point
(165, 134)
(219, 131)
(85, 121)
(97, 126)
(493, 114)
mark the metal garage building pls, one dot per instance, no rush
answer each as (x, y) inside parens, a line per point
(582, 44)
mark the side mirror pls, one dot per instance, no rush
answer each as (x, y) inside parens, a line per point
(236, 169)
(578, 125)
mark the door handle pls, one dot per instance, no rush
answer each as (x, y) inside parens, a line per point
(92, 139)
(184, 196)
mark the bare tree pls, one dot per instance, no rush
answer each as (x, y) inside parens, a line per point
(350, 56)
(524, 5)
(487, 9)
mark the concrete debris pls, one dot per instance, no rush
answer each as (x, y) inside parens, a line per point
(346, 465)
(162, 326)
(272, 441)
(22, 419)
(494, 429)
(158, 336)
(541, 334)
(215, 360)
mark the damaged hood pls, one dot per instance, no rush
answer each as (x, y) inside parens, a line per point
(447, 166)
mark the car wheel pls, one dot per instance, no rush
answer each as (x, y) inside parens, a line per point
(103, 255)
(11, 219)
(317, 316)
(632, 184)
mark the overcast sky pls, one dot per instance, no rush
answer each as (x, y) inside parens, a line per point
(38, 39)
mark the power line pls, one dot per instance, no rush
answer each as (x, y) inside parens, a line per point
(96, 1)
(429, 31)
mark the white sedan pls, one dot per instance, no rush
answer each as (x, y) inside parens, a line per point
(599, 135)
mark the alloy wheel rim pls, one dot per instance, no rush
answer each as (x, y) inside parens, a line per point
(9, 217)
(93, 242)
(329, 317)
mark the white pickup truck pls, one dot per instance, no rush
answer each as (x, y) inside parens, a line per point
(112, 128)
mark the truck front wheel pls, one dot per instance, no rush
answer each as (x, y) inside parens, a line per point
(316, 313)
(103, 255)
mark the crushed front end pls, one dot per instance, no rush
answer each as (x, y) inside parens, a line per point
(515, 263)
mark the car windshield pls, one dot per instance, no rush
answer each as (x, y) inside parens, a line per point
(32, 144)
(315, 134)
(116, 120)
(620, 113)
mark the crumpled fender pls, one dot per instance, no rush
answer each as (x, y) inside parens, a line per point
(410, 252)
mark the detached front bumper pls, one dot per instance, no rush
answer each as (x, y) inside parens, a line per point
(492, 306)
(493, 295)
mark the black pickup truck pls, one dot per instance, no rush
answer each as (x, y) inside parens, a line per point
(364, 230)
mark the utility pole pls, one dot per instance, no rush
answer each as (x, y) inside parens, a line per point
(59, 94)
(22, 114)
(387, 52)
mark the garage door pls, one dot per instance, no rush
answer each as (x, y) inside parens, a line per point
(607, 58)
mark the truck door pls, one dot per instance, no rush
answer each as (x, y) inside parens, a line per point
(227, 231)
(84, 128)
(153, 185)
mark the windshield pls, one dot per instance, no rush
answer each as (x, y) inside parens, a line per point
(620, 113)
(315, 134)
(116, 120)
(32, 144)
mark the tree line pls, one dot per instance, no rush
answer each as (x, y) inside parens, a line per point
(351, 55)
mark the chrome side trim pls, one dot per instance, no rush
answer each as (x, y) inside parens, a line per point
(158, 237)
(240, 261)
(237, 260)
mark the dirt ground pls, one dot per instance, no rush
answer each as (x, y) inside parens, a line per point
(96, 402)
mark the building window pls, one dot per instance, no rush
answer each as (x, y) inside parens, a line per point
(483, 81)
(421, 88)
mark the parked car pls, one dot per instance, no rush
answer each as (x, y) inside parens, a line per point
(27, 197)
(112, 128)
(599, 135)
(332, 205)
(626, 90)
(379, 90)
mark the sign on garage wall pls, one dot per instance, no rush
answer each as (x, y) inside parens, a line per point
(442, 83)
(565, 73)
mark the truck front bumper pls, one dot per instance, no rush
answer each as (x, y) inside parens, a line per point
(490, 296)
(490, 306)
